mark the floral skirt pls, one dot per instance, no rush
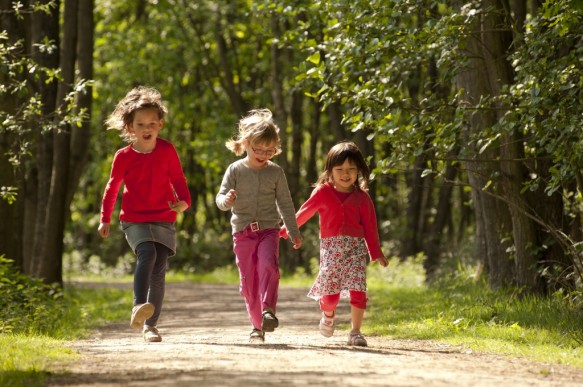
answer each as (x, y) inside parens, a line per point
(342, 267)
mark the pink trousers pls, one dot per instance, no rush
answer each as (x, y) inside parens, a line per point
(257, 256)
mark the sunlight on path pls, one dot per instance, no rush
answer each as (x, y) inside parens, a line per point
(205, 342)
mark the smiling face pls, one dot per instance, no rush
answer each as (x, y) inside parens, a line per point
(344, 176)
(145, 127)
(259, 154)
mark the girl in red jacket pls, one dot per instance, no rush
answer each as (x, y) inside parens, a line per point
(348, 235)
(154, 192)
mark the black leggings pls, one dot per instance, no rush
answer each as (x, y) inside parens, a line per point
(150, 277)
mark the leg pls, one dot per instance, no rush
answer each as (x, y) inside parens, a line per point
(142, 310)
(146, 253)
(158, 283)
(328, 304)
(357, 308)
(245, 248)
(268, 269)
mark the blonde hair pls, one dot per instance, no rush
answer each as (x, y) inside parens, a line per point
(257, 127)
(140, 97)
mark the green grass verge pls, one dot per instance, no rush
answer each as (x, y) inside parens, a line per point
(465, 313)
(28, 356)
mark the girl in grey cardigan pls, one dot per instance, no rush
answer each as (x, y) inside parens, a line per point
(255, 190)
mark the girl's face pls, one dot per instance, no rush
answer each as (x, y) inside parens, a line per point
(145, 127)
(259, 154)
(344, 176)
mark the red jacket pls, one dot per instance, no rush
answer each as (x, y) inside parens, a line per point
(151, 180)
(354, 217)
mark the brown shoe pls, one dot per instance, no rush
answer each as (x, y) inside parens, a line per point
(269, 321)
(357, 339)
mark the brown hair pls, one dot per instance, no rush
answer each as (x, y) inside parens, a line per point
(139, 98)
(337, 155)
(257, 127)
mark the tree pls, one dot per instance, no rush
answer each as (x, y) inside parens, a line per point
(45, 183)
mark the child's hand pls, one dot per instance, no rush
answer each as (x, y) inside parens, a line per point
(103, 229)
(179, 207)
(383, 261)
(297, 241)
(231, 196)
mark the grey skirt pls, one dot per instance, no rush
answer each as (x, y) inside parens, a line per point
(160, 232)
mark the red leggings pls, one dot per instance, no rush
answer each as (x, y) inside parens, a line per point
(329, 302)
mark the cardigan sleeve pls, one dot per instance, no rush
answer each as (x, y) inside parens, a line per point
(369, 223)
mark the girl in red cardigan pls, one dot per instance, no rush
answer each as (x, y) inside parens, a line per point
(348, 235)
(154, 192)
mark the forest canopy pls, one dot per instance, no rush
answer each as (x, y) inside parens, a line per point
(469, 114)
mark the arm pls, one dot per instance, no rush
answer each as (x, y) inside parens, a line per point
(179, 185)
(110, 194)
(227, 193)
(306, 211)
(371, 234)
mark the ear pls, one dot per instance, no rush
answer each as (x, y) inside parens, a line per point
(162, 122)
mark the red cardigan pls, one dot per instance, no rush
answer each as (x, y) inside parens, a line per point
(150, 181)
(354, 217)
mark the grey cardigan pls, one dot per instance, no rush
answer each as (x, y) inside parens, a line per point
(262, 196)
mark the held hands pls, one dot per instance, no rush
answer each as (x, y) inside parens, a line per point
(297, 241)
(230, 197)
(179, 207)
(103, 229)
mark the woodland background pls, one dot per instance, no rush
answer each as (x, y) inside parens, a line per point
(469, 112)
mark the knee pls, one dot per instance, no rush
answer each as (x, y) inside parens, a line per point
(358, 299)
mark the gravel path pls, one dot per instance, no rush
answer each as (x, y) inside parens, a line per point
(205, 343)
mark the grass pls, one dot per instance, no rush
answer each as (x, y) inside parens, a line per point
(465, 313)
(459, 311)
(26, 358)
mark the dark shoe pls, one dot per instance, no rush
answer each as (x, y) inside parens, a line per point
(270, 322)
(357, 339)
(257, 336)
(141, 313)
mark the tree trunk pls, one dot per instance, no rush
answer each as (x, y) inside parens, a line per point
(497, 41)
(11, 241)
(38, 179)
(493, 222)
(50, 267)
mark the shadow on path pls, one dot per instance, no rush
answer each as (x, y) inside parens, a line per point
(205, 343)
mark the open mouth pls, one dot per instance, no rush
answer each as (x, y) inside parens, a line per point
(147, 136)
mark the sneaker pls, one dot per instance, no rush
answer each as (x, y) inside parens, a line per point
(326, 325)
(257, 336)
(151, 334)
(357, 339)
(141, 313)
(269, 321)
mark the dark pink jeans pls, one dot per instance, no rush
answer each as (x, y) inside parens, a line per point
(257, 256)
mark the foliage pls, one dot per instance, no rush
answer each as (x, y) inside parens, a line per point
(27, 305)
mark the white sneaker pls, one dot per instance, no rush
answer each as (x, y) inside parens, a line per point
(326, 325)
(141, 313)
(151, 334)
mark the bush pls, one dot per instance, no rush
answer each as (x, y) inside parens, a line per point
(27, 305)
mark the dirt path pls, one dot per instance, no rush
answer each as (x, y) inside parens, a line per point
(205, 343)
